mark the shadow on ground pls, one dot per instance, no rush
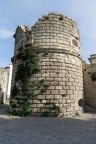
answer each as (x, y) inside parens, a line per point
(48, 130)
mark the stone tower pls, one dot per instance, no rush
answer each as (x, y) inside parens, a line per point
(57, 43)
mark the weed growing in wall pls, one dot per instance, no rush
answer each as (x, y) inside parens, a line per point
(61, 17)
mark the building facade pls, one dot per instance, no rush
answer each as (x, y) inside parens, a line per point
(90, 81)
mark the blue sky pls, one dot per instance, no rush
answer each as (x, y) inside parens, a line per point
(20, 12)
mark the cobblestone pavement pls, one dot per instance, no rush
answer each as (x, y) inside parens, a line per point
(17, 130)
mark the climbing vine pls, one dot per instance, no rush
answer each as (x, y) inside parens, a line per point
(25, 70)
(26, 91)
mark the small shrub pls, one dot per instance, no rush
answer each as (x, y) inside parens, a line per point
(77, 114)
(55, 107)
(20, 48)
(40, 100)
(46, 17)
(42, 81)
(64, 95)
(61, 17)
(13, 106)
(55, 114)
(47, 103)
(93, 76)
(45, 114)
(44, 89)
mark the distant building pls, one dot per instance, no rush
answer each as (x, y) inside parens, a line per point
(5, 83)
(92, 59)
(89, 84)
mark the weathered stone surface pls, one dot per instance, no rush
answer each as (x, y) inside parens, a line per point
(89, 85)
(60, 64)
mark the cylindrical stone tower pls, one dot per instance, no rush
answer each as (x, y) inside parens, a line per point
(57, 43)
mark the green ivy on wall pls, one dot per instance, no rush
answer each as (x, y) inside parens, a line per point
(93, 76)
(25, 70)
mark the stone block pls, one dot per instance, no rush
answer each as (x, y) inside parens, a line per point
(52, 40)
(70, 100)
(51, 87)
(69, 109)
(62, 75)
(72, 87)
(54, 83)
(45, 67)
(70, 92)
(50, 79)
(36, 92)
(68, 83)
(64, 79)
(62, 83)
(33, 79)
(41, 97)
(40, 105)
(57, 97)
(63, 110)
(62, 92)
(49, 96)
(54, 92)
(54, 101)
(45, 75)
(36, 101)
(62, 101)
(44, 109)
(66, 87)
(49, 105)
(35, 109)
(72, 104)
(57, 79)
(32, 106)
(47, 92)
(44, 101)
(58, 87)
(53, 74)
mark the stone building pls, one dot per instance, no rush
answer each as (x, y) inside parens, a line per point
(57, 41)
(3, 85)
(89, 83)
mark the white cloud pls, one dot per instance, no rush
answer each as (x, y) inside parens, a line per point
(4, 34)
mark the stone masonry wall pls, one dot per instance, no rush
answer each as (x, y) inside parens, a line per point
(64, 76)
(57, 38)
(89, 85)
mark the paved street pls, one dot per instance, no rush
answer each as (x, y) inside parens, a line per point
(16, 130)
